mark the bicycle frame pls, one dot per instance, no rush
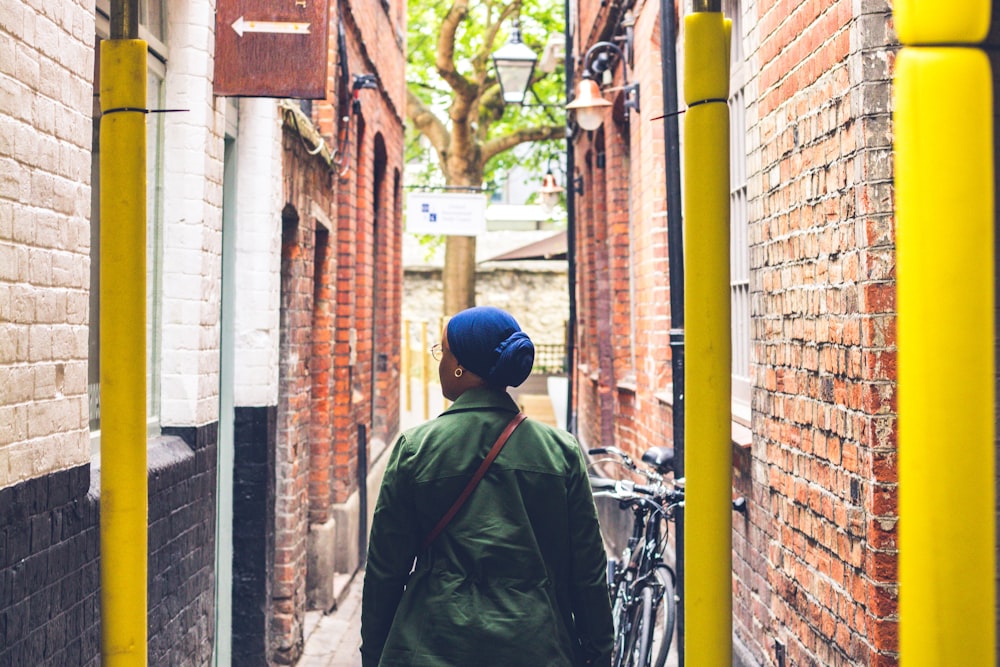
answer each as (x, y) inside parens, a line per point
(642, 558)
(642, 583)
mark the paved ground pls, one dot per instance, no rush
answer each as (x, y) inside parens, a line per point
(333, 640)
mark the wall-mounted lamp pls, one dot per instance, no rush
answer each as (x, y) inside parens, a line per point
(550, 190)
(514, 63)
(589, 104)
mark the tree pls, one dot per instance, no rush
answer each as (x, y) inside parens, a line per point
(454, 100)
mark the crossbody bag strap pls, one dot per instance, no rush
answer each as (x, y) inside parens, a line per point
(494, 451)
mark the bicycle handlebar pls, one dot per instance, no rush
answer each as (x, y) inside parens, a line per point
(623, 489)
(624, 486)
(613, 450)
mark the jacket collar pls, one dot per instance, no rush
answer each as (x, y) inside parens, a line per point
(483, 398)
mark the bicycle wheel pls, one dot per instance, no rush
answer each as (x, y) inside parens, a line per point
(664, 617)
(640, 639)
(622, 624)
(649, 633)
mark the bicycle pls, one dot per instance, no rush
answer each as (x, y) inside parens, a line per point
(641, 582)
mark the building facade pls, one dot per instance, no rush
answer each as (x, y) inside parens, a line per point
(812, 280)
(273, 277)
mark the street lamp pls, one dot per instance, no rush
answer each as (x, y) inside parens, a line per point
(514, 63)
(550, 190)
(589, 104)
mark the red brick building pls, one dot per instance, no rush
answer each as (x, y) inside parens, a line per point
(341, 288)
(812, 260)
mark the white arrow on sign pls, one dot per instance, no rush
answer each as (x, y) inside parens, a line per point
(286, 27)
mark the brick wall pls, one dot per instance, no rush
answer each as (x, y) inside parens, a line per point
(45, 122)
(50, 611)
(49, 576)
(181, 577)
(815, 558)
(192, 223)
(258, 254)
(292, 446)
(340, 321)
(622, 291)
(253, 532)
(369, 250)
(822, 260)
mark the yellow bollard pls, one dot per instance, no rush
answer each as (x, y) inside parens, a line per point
(406, 366)
(945, 295)
(941, 21)
(123, 353)
(425, 369)
(708, 625)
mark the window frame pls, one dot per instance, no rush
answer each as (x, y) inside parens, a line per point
(155, 99)
(739, 249)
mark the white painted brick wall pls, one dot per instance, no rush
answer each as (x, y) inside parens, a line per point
(258, 253)
(46, 89)
(192, 238)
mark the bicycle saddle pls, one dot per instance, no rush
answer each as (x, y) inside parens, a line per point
(661, 458)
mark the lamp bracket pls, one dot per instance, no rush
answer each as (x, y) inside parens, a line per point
(597, 61)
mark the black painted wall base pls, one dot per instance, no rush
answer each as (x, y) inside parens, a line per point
(254, 434)
(49, 577)
(50, 610)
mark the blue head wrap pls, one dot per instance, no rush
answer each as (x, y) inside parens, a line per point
(489, 342)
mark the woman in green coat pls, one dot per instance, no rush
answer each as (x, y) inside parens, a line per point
(517, 578)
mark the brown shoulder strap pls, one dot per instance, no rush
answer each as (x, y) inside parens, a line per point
(494, 451)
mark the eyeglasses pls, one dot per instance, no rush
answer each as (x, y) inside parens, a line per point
(436, 351)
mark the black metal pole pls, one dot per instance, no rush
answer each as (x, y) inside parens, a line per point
(124, 19)
(362, 494)
(570, 232)
(675, 257)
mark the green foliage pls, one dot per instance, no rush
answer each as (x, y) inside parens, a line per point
(485, 28)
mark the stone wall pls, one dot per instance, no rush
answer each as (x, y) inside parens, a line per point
(535, 293)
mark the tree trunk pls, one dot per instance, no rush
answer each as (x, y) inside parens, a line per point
(459, 275)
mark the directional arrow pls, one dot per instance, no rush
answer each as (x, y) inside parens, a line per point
(286, 27)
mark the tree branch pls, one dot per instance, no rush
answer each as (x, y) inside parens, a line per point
(427, 123)
(445, 61)
(508, 141)
(482, 57)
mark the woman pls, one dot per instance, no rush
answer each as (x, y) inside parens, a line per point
(517, 578)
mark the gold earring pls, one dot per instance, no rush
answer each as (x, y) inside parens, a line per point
(458, 372)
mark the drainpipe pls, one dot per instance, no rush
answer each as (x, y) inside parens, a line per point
(568, 59)
(675, 255)
(123, 340)
(945, 190)
(708, 375)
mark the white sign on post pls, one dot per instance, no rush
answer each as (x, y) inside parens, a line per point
(446, 213)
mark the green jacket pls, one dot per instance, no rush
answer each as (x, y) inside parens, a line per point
(516, 579)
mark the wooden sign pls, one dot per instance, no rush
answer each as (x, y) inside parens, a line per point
(271, 48)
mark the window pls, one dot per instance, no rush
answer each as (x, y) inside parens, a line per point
(739, 249)
(151, 16)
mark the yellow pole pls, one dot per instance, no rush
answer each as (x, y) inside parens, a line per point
(425, 369)
(406, 365)
(945, 292)
(443, 322)
(123, 352)
(708, 625)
